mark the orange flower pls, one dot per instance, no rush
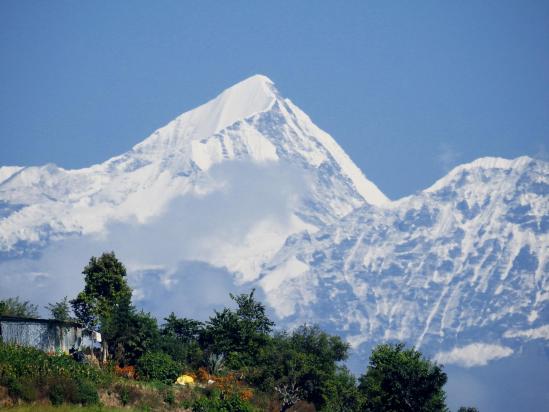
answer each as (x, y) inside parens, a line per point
(126, 371)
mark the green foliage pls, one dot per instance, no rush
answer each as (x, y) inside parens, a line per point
(60, 310)
(129, 333)
(400, 379)
(169, 396)
(105, 288)
(216, 363)
(215, 402)
(158, 366)
(299, 366)
(341, 393)
(184, 329)
(25, 362)
(63, 389)
(305, 360)
(240, 333)
(188, 354)
(15, 307)
(27, 371)
(18, 388)
(467, 409)
(128, 394)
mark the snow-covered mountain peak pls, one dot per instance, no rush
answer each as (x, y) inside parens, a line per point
(253, 95)
(248, 124)
(482, 165)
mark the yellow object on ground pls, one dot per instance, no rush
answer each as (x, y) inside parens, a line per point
(185, 380)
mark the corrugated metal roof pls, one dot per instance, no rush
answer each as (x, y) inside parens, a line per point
(36, 320)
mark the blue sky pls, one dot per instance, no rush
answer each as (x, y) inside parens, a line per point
(409, 89)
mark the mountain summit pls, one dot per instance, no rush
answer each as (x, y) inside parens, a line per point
(249, 123)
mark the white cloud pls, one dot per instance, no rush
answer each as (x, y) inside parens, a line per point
(169, 259)
(536, 333)
(475, 354)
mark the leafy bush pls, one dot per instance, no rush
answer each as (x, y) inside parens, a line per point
(158, 366)
(128, 394)
(29, 373)
(31, 363)
(62, 389)
(87, 393)
(215, 402)
(169, 396)
(23, 389)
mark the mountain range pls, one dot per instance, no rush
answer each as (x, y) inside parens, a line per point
(459, 269)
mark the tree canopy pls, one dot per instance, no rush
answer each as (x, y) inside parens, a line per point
(239, 333)
(60, 310)
(105, 289)
(16, 307)
(401, 379)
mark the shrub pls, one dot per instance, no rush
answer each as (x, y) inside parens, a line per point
(31, 363)
(158, 366)
(87, 393)
(128, 394)
(62, 389)
(27, 390)
(215, 402)
(125, 372)
(29, 373)
(169, 396)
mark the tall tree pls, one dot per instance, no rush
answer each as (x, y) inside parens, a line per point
(400, 379)
(129, 333)
(303, 365)
(104, 290)
(105, 293)
(239, 333)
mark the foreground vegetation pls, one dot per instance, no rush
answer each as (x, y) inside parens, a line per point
(237, 360)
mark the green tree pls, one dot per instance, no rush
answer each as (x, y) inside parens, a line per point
(60, 310)
(400, 379)
(184, 329)
(15, 307)
(129, 333)
(303, 363)
(180, 340)
(105, 288)
(341, 393)
(239, 333)
(467, 409)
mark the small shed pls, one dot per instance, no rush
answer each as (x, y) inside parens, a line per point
(49, 335)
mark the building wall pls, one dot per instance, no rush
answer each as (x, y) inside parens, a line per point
(49, 337)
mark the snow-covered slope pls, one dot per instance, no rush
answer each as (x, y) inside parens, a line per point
(462, 263)
(465, 261)
(249, 122)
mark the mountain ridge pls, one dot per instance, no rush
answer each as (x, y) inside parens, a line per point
(249, 122)
(442, 266)
(462, 261)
